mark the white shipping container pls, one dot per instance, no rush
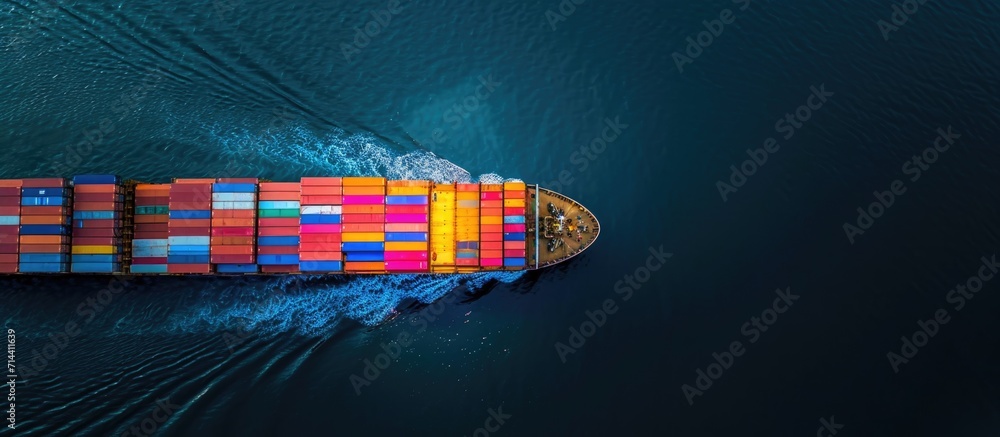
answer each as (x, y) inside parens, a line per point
(321, 209)
(233, 205)
(234, 197)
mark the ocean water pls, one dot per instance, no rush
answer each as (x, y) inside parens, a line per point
(606, 102)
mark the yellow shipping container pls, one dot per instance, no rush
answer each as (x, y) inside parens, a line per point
(95, 250)
(514, 203)
(513, 186)
(412, 246)
(364, 191)
(444, 187)
(442, 219)
(409, 183)
(468, 195)
(363, 182)
(407, 191)
(467, 212)
(491, 220)
(366, 237)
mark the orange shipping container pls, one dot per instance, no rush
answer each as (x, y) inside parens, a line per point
(280, 195)
(491, 245)
(234, 213)
(514, 194)
(102, 188)
(232, 223)
(363, 227)
(190, 223)
(44, 210)
(44, 239)
(491, 228)
(364, 182)
(364, 191)
(194, 181)
(150, 218)
(363, 209)
(45, 220)
(222, 241)
(44, 248)
(321, 200)
(319, 256)
(8, 183)
(377, 266)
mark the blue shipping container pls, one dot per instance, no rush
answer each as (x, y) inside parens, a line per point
(104, 259)
(321, 266)
(365, 256)
(188, 250)
(96, 215)
(191, 214)
(44, 192)
(237, 268)
(149, 268)
(363, 247)
(29, 267)
(406, 236)
(514, 236)
(44, 230)
(406, 200)
(224, 187)
(45, 201)
(513, 219)
(320, 219)
(513, 262)
(278, 241)
(44, 258)
(95, 267)
(96, 179)
(187, 259)
(277, 260)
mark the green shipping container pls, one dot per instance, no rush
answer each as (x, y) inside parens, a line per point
(278, 213)
(152, 210)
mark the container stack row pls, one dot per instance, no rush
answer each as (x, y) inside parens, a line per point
(10, 223)
(467, 224)
(364, 224)
(149, 242)
(190, 226)
(320, 225)
(278, 227)
(491, 225)
(515, 243)
(234, 225)
(406, 226)
(45, 218)
(98, 204)
(442, 233)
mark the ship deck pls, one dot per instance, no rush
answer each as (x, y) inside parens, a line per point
(554, 238)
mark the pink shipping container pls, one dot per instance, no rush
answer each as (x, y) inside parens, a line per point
(488, 195)
(319, 229)
(364, 200)
(399, 255)
(513, 211)
(514, 253)
(523, 245)
(232, 232)
(406, 218)
(514, 228)
(491, 262)
(412, 266)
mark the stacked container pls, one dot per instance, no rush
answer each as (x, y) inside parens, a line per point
(98, 204)
(491, 225)
(10, 223)
(443, 228)
(150, 241)
(234, 223)
(364, 224)
(406, 226)
(278, 227)
(467, 226)
(189, 227)
(44, 233)
(320, 231)
(514, 227)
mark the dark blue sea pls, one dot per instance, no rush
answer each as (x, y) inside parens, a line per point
(798, 202)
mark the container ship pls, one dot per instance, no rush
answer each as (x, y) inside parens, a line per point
(104, 224)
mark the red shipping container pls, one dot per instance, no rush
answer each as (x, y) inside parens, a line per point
(95, 197)
(220, 241)
(96, 241)
(491, 204)
(8, 239)
(491, 237)
(92, 224)
(149, 260)
(277, 250)
(8, 268)
(10, 210)
(288, 231)
(8, 248)
(320, 238)
(190, 205)
(10, 201)
(43, 183)
(489, 254)
(232, 250)
(191, 188)
(190, 232)
(491, 245)
(322, 200)
(8, 258)
(323, 181)
(97, 206)
(278, 222)
(513, 253)
(233, 222)
(491, 212)
(153, 227)
(280, 195)
(152, 201)
(490, 228)
(232, 232)
(97, 189)
(467, 262)
(319, 247)
(95, 232)
(362, 218)
(317, 190)
(515, 245)
(10, 191)
(142, 235)
(280, 269)
(189, 268)
(406, 209)
(44, 210)
(513, 211)
(232, 259)
(280, 186)
(234, 213)
(44, 248)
